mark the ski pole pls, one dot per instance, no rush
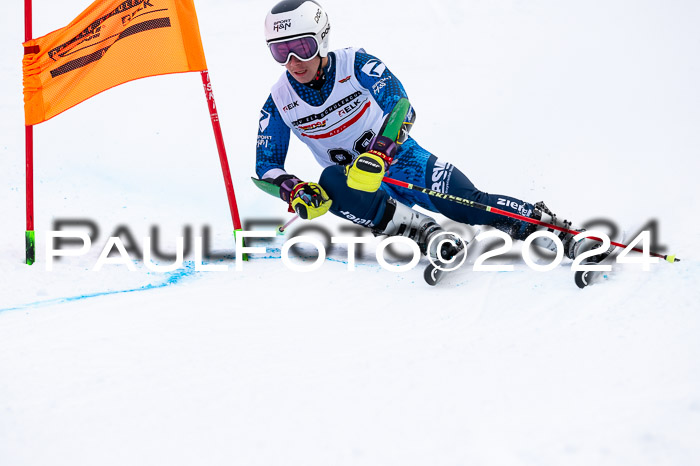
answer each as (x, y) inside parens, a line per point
(282, 228)
(495, 210)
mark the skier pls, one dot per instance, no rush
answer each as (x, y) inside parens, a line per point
(354, 115)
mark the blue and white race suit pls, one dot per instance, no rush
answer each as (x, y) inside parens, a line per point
(338, 122)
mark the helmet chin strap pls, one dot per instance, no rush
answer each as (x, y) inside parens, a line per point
(320, 79)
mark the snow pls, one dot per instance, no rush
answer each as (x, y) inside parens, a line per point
(591, 106)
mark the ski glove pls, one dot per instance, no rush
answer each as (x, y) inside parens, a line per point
(309, 200)
(286, 183)
(366, 172)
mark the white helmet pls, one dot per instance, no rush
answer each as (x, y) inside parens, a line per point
(290, 19)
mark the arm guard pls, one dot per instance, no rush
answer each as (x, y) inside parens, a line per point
(367, 171)
(394, 131)
(286, 183)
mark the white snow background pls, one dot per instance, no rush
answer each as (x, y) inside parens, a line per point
(593, 107)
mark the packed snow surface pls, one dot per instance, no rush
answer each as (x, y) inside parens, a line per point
(590, 106)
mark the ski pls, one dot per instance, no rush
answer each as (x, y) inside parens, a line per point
(432, 274)
(587, 278)
(591, 277)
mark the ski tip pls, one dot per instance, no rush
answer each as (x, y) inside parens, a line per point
(431, 275)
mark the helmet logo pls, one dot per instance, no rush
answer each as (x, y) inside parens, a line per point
(318, 15)
(282, 25)
(324, 33)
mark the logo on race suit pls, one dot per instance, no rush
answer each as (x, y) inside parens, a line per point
(318, 124)
(263, 140)
(328, 110)
(264, 120)
(350, 108)
(349, 111)
(520, 208)
(349, 121)
(379, 85)
(344, 80)
(441, 176)
(282, 25)
(374, 68)
(357, 220)
(291, 106)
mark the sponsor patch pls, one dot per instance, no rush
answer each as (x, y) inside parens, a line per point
(291, 105)
(379, 85)
(374, 68)
(327, 111)
(520, 208)
(357, 220)
(318, 124)
(263, 140)
(441, 176)
(340, 128)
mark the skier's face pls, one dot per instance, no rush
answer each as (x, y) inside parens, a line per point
(303, 71)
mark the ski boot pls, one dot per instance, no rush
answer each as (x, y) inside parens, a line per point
(401, 220)
(572, 249)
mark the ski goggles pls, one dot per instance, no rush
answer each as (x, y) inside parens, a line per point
(304, 48)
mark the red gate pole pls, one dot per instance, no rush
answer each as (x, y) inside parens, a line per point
(29, 238)
(233, 206)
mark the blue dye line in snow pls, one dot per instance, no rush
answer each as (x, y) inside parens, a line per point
(172, 278)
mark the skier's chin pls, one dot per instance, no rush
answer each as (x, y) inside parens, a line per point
(303, 72)
(303, 77)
